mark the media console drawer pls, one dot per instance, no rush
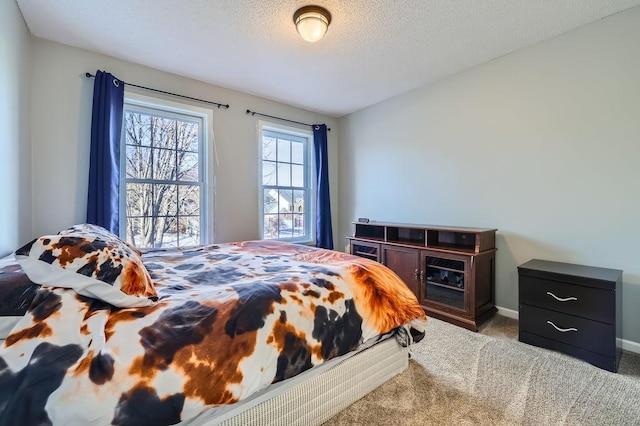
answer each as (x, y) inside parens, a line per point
(575, 309)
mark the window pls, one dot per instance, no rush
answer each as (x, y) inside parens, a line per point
(163, 174)
(286, 190)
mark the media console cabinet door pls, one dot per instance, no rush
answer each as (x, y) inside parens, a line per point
(447, 281)
(405, 262)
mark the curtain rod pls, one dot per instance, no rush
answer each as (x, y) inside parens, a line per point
(280, 118)
(219, 105)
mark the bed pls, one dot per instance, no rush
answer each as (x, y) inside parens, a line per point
(238, 333)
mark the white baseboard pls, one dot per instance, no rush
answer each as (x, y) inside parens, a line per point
(631, 346)
(509, 313)
(627, 345)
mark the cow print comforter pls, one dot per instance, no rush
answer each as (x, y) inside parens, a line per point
(231, 319)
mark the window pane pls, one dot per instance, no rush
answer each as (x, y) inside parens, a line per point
(165, 232)
(163, 133)
(298, 202)
(164, 164)
(284, 150)
(187, 135)
(189, 200)
(165, 199)
(297, 175)
(139, 196)
(285, 200)
(137, 129)
(270, 228)
(297, 152)
(138, 162)
(268, 173)
(133, 231)
(284, 174)
(285, 226)
(269, 148)
(298, 225)
(147, 232)
(188, 166)
(270, 201)
(188, 231)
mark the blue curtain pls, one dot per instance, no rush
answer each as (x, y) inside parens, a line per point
(104, 164)
(324, 233)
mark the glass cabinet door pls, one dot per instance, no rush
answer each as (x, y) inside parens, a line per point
(445, 278)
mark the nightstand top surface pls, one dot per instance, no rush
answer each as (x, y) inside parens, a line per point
(570, 269)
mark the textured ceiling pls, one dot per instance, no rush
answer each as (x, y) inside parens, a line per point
(373, 50)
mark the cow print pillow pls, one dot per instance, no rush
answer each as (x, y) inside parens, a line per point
(92, 261)
(97, 231)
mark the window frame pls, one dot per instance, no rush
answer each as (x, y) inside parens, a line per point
(310, 205)
(170, 109)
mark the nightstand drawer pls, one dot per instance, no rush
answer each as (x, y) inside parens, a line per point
(575, 331)
(586, 302)
(606, 362)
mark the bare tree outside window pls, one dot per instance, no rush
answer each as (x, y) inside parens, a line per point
(163, 178)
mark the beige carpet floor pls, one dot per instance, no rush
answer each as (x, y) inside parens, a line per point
(456, 377)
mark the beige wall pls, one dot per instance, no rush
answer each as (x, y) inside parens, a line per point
(15, 144)
(543, 144)
(61, 120)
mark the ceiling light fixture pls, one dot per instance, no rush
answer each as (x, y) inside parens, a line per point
(312, 22)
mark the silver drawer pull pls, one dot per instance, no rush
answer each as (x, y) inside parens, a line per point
(561, 330)
(561, 299)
